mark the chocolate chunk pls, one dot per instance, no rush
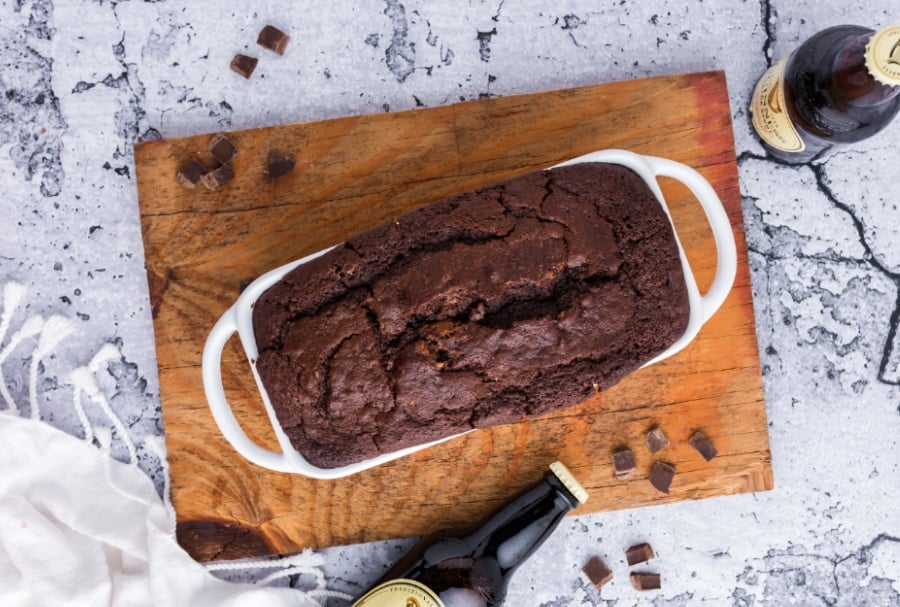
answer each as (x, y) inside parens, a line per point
(273, 39)
(221, 148)
(645, 581)
(279, 165)
(702, 445)
(597, 572)
(190, 174)
(657, 440)
(244, 65)
(641, 553)
(218, 177)
(623, 462)
(661, 476)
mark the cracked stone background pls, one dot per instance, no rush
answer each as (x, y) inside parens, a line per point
(81, 82)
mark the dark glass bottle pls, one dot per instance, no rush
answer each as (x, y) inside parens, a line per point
(841, 85)
(473, 570)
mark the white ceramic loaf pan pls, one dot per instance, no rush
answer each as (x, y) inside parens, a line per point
(239, 318)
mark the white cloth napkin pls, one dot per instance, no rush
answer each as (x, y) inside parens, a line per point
(79, 528)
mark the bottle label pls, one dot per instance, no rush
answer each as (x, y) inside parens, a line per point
(770, 114)
(400, 593)
(883, 56)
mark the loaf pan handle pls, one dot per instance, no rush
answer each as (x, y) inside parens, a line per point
(224, 328)
(726, 250)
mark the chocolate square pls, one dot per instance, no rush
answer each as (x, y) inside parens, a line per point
(597, 572)
(221, 148)
(640, 553)
(279, 165)
(657, 440)
(702, 445)
(661, 476)
(273, 39)
(645, 581)
(623, 463)
(216, 178)
(244, 65)
(190, 173)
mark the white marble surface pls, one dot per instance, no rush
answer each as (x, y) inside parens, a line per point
(80, 82)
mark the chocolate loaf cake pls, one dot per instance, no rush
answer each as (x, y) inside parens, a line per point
(484, 308)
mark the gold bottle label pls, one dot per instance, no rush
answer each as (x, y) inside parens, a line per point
(883, 56)
(400, 593)
(770, 114)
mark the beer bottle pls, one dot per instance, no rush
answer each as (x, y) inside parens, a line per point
(473, 570)
(840, 86)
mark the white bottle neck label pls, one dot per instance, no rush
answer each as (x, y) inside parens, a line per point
(768, 107)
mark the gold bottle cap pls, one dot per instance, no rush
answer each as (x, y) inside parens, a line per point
(566, 478)
(883, 55)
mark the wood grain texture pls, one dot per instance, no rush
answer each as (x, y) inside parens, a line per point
(353, 173)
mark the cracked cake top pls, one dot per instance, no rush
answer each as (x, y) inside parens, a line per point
(483, 308)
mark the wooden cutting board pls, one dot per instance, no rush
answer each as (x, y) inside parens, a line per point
(353, 173)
